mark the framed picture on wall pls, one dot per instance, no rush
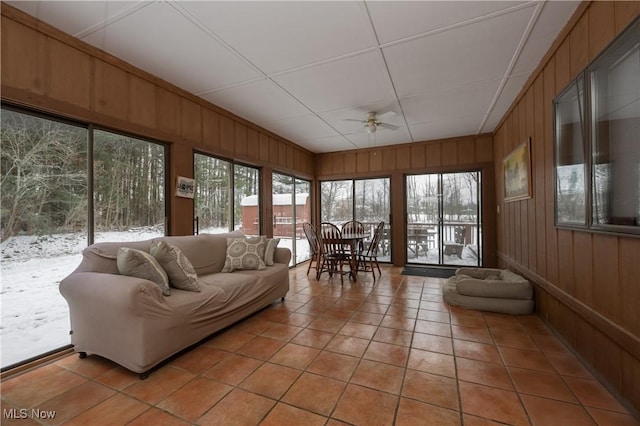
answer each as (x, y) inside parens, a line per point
(185, 187)
(517, 173)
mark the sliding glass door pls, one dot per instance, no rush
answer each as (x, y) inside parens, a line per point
(443, 219)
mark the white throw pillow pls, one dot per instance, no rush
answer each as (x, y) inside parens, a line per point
(270, 250)
(182, 274)
(140, 264)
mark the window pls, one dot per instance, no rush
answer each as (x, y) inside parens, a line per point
(226, 196)
(47, 200)
(597, 155)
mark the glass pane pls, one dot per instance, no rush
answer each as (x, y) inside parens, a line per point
(615, 100)
(303, 214)
(128, 179)
(460, 218)
(44, 229)
(213, 194)
(569, 156)
(422, 192)
(283, 213)
(372, 206)
(246, 203)
(336, 201)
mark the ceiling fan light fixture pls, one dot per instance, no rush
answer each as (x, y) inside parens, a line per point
(371, 127)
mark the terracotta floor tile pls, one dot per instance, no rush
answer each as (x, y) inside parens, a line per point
(393, 335)
(543, 411)
(567, 365)
(159, 385)
(432, 362)
(199, 359)
(327, 324)
(433, 343)
(117, 410)
(522, 358)
(605, 417)
(432, 327)
(469, 420)
(91, 366)
(75, 401)
(474, 334)
(282, 332)
(230, 340)
(283, 414)
(43, 388)
(260, 347)
(118, 378)
(195, 398)
(334, 365)
(485, 373)
(28, 377)
(296, 356)
(367, 318)
(467, 318)
(363, 406)
(546, 385)
(513, 340)
(433, 389)
(402, 311)
(399, 322)
(593, 394)
(348, 345)
(495, 404)
(374, 308)
(315, 393)
(239, 407)
(356, 329)
(387, 353)
(155, 417)
(299, 320)
(412, 413)
(443, 317)
(233, 369)
(439, 306)
(548, 343)
(313, 338)
(253, 325)
(386, 300)
(339, 314)
(379, 376)
(270, 380)
(505, 322)
(477, 351)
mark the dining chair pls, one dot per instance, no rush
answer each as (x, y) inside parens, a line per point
(354, 227)
(314, 247)
(332, 251)
(367, 260)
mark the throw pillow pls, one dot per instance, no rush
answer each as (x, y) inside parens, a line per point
(140, 264)
(182, 274)
(270, 250)
(244, 253)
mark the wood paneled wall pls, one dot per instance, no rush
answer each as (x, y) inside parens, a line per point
(48, 70)
(588, 284)
(395, 161)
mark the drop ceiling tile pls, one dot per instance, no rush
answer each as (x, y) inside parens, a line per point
(86, 14)
(340, 118)
(477, 52)
(277, 36)
(470, 99)
(381, 137)
(300, 128)
(328, 144)
(268, 102)
(461, 126)
(163, 42)
(355, 80)
(395, 20)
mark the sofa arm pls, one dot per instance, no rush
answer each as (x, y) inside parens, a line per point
(282, 255)
(96, 291)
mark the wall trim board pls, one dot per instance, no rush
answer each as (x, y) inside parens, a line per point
(619, 335)
(22, 18)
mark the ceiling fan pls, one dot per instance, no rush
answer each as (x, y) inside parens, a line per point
(372, 122)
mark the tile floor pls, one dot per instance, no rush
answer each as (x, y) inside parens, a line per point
(367, 353)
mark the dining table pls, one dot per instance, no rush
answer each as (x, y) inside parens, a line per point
(353, 240)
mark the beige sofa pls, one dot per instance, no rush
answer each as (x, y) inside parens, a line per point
(487, 289)
(129, 321)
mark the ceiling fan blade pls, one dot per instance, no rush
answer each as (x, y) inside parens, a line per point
(353, 119)
(384, 115)
(388, 126)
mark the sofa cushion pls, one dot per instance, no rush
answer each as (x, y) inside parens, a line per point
(244, 253)
(270, 249)
(181, 273)
(140, 264)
